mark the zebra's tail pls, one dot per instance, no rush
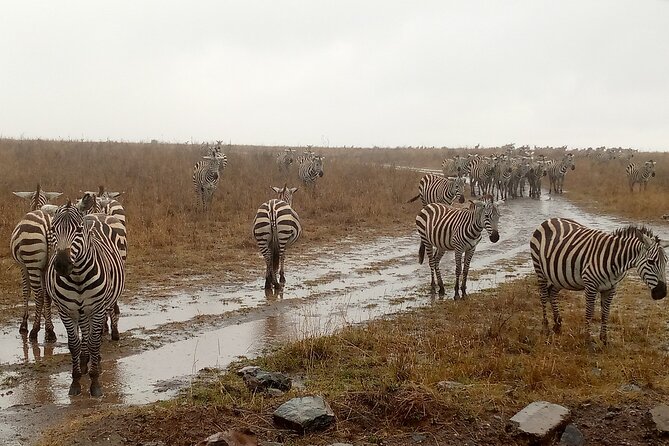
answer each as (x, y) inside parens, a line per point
(275, 254)
(414, 199)
(421, 253)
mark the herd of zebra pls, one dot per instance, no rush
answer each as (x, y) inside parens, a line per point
(75, 254)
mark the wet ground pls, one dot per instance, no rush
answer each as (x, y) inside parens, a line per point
(166, 340)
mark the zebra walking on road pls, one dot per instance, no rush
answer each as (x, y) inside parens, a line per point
(452, 229)
(206, 175)
(437, 189)
(567, 255)
(557, 172)
(29, 249)
(276, 226)
(640, 174)
(310, 168)
(84, 277)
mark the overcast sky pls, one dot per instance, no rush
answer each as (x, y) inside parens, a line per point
(455, 73)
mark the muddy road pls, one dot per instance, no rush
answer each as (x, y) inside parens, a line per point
(167, 336)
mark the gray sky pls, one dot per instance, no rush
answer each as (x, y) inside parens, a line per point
(578, 73)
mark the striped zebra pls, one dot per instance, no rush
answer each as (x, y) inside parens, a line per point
(557, 171)
(437, 189)
(275, 227)
(567, 255)
(28, 245)
(285, 159)
(206, 175)
(454, 229)
(85, 276)
(310, 168)
(640, 174)
(455, 167)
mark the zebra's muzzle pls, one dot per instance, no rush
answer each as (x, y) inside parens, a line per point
(63, 265)
(494, 237)
(573, 167)
(462, 199)
(320, 174)
(659, 292)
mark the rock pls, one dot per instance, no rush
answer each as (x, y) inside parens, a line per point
(305, 414)
(231, 438)
(540, 420)
(248, 370)
(629, 388)
(572, 436)
(450, 385)
(263, 380)
(660, 416)
(274, 392)
(418, 438)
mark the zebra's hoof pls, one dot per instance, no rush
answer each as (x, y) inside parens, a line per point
(282, 279)
(75, 389)
(115, 336)
(33, 335)
(50, 336)
(23, 328)
(96, 389)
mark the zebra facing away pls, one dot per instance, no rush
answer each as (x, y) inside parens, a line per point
(437, 189)
(28, 245)
(567, 255)
(640, 174)
(275, 227)
(206, 175)
(454, 229)
(84, 277)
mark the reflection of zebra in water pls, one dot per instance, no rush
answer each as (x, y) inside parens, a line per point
(557, 171)
(275, 227)
(454, 229)
(310, 168)
(437, 189)
(28, 245)
(640, 174)
(285, 159)
(206, 175)
(85, 276)
(570, 256)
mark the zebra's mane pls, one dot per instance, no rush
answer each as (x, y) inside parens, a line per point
(636, 231)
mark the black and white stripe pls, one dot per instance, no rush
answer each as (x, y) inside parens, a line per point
(206, 175)
(640, 174)
(275, 227)
(285, 159)
(437, 189)
(452, 229)
(557, 171)
(29, 249)
(85, 276)
(310, 168)
(567, 255)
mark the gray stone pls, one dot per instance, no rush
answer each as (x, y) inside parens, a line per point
(540, 420)
(305, 414)
(450, 385)
(660, 416)
(418, 438)
(248, 370)
(629, 388)
(267, 380)
(572, 436)
(274, 392)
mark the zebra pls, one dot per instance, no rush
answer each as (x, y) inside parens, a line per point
(285, 159)
(437, 189)
(85, 276)
(557, 171)
(534, 175)
(310, 168)
(275, 227)
(454, 229)
(206, 175)
(640, 174)
(567, 255)
(455, 167)
(28, 245)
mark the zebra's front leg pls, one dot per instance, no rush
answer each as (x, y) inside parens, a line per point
(590, 296)
(282, 277)
(435, 259)
(465, 270)
(543, 293)
(94, 343)
(458, 271)
(74, 344)
(606, 298)
(84, 355)
(555, 306)
(50, 334)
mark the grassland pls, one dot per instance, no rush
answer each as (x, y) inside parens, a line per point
(381, 378)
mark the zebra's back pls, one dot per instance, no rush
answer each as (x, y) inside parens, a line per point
(28, 242)
(276, 222)
(447, 228)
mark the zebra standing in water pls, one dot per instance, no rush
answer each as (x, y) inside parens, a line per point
(567, 255)
(85, 276)
(206, 175)
(437, 189)
(452, 229)
(640, 174)
(557, 172)
(275, 227)
(310, 168)
(28, 245)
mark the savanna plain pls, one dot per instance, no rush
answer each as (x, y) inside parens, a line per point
(380, 377)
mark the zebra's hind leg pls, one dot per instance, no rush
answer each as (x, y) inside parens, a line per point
(436, 259)
(37, 323)
(606, 298)
(458, 271)
(544, 293)
(25, 285)
(50, 334)
(465, 270)
(113, 320)
(282, 277)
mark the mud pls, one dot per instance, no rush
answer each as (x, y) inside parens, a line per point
(165, 341)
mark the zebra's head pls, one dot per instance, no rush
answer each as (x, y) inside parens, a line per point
(488, 216)
(459, 189)
(652, 264)
(649, 166)
(68, 238)
(568, 161)
(317, 164)
(89, 203)
(285, 193)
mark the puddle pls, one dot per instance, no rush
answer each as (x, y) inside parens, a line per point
(212, 327)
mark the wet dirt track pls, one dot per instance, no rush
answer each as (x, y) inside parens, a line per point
(165, 341)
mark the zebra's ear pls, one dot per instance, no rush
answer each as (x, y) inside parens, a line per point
(24, 195)
(293, 190)
(276, 189)
(52, 195)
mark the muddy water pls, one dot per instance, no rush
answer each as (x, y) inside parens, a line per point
(165, 341)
